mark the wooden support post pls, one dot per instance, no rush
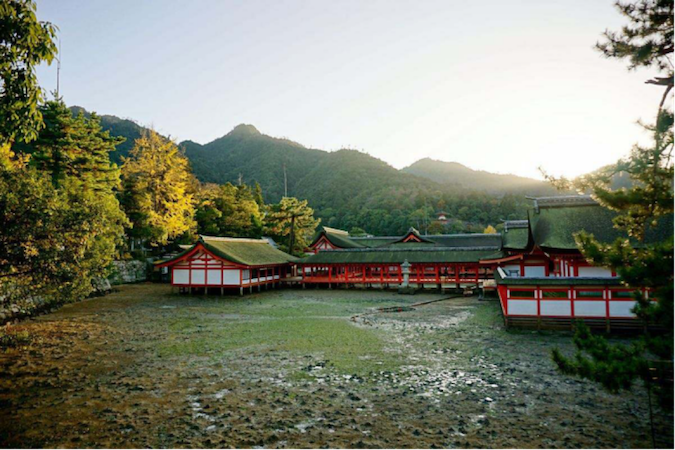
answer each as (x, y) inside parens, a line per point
(241, 291)
(222, 291)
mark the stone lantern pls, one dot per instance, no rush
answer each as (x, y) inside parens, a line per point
(405, 287)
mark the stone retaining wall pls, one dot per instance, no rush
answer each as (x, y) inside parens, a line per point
(124, 272)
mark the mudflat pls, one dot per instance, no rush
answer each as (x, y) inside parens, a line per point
(144, 367)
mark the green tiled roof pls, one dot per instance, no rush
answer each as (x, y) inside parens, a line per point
(375, 241)
(516, 238)
(467, 240)
(338, 238)
(248, 252)
(554, 227)
(399, 255)
(557, 281)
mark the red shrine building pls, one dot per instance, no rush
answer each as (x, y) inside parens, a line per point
(220, 263)
(539, 274)
(540, 277)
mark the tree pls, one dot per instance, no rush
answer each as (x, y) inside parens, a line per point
(59, 232)
(489, 230)
(646, 42)
(24, 44)
(157, 190)
(292, 221)
(74, 146)
(228, 210)
(357, 231)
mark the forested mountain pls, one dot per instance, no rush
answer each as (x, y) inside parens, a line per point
(347, 188)
(458, 174)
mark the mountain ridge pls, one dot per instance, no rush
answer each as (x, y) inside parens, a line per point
(347, 188)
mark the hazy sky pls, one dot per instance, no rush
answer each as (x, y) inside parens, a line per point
(504, 86)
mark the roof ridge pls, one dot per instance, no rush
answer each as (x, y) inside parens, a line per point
(335, 230)
(408, 249)
(232, 239)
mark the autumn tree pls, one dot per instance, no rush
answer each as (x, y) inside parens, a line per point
(157, 190)
(489, 230)
(292, 222)
(25, 43)
(647, 41)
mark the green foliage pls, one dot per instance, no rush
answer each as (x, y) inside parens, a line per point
(229, 210)
(158, 190)
(293, 223)
(646, 41)
(24, 44)
(648, 38)
(74, 146)
(357, 231)
(56, 238)
(123, 128)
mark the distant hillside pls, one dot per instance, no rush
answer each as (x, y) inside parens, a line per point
(458, 174)
(125, 128)
(347, 188)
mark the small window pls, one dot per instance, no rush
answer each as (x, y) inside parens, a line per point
(522, 294)
(589, 294)
(555, 294)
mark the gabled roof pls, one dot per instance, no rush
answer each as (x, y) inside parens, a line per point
(247, 252)
(413, 236)
(339, 238)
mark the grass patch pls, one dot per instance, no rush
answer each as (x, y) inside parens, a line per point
(344, 347)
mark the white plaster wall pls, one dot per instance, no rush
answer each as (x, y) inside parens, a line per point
(535, 271)
(621, 309)
(181, 276)
(231, 276)
(198, 276)
(594, 272)
(214, 277)
(556, 308)
(523, 307)
(589, 308)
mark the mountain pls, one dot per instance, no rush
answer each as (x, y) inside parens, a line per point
(125, 128)
(247, 153)
(458, 174)
(348, 188)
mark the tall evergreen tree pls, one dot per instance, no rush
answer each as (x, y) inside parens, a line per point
(74, 147)
(293, 223)
(157, 190)
(646, 42)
